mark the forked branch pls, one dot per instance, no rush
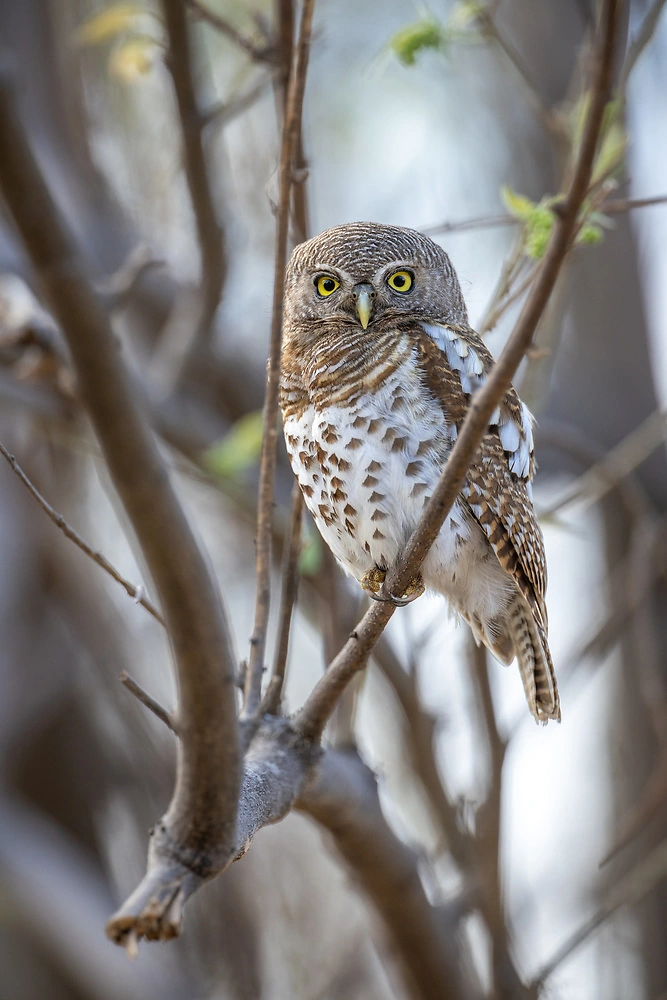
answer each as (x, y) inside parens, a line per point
(197, 835)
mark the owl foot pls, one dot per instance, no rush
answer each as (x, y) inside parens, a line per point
(373, 581)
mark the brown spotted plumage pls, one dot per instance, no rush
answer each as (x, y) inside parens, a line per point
(379, 364)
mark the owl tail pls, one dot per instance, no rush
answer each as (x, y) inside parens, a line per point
(520, 635)
(531, 647)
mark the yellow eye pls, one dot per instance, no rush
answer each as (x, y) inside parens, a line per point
(326, 285)
(400, 281)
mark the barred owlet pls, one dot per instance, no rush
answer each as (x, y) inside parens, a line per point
(378, 368)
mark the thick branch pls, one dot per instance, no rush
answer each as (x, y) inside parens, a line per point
(200, 823)
(288, 148)
(344, 800)
(313, 716)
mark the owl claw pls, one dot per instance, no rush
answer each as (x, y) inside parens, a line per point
(373, 582)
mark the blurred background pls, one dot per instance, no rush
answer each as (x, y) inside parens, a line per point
(422, 117)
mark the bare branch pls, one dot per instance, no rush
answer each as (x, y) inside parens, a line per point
(352, 658)
(614, 206)
(209, 232)
(344, 799)
(628, 890)
(146, 699)
(261, 53)
(549, 118)
(619, 462)
(288, 147)
(118, 289)
(69, 532)
(290, 578)
(639, 43)
(221, 114)
(198, 833)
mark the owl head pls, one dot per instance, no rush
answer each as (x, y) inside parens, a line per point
(367, 274)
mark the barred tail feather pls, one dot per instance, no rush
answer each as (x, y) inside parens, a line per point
(537, 671)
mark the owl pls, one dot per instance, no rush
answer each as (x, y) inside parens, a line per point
(379, 365)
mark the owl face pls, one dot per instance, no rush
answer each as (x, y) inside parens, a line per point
(366, 275)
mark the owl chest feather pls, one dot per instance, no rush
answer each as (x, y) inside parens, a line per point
(368, 464)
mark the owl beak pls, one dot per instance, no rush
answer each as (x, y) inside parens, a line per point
(363, 299)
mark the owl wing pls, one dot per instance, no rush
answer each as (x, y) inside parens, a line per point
(497, 487)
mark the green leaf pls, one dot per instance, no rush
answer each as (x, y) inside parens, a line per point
(516, 204)
(590, 235)
(109, 23)
(239, 449)
(407, 43)
(539, 226)
(310, 558)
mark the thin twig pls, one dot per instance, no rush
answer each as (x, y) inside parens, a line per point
(117, 289)
(494, 315)
(547, 115)
(288, 147)
(615, 206)
(225, 112)
(628, 890)
(68, 531)
(261, 53)
(146, 699)
(639, 42)
(213, 258)
(290, 581)
(313, 716)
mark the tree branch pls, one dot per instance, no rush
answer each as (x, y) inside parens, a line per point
(639, 42)
(213, 258)
(288, 148)
(147, 700)
(260, 53)
(290, 581)
(614, 206)
(343, 798)
(313, 716)
(69, 532)
(198, 833)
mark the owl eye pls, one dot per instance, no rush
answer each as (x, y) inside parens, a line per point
(400, 281)
(326, 285)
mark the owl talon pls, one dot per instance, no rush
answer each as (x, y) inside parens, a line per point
(373, 581)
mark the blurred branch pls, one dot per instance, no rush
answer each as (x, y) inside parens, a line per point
(290, 585)
(639, 42)
(225, 112)
(194, 839)
(549, 118)
(618, 463)
(288, 147)
(352, 658)
(118, 289)
(147, 700)
(628, 890)
(213, 260)
(344, 799)
(60, 898)
(69, 532)
(614, 206)
(260, 53)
